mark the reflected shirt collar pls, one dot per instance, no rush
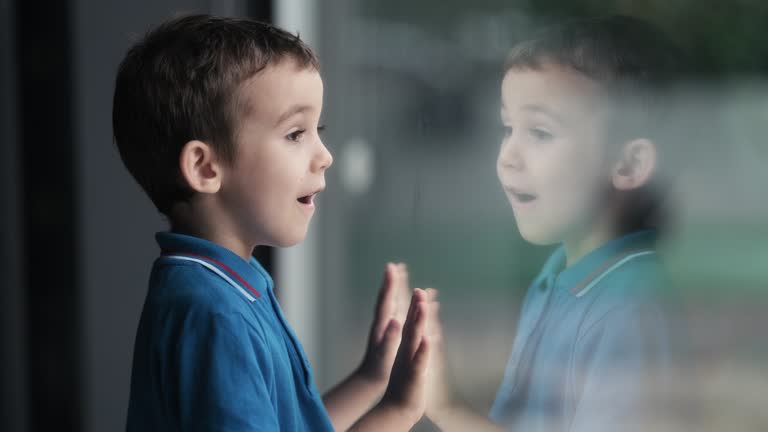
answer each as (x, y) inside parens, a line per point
(580, 276)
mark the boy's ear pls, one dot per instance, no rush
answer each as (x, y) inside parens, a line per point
(636, 166)
(199, 167)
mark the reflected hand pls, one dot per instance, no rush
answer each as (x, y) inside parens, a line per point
(439, 393)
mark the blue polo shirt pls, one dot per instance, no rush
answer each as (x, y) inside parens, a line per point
(213, 351)
(593, 346)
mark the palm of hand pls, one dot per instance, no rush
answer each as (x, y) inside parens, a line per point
(389, 316)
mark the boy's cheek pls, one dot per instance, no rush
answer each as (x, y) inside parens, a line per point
(555, 215)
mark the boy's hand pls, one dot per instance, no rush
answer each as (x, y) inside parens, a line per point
(385, 334)
(349, 400)
(404, 401)
(406, 392)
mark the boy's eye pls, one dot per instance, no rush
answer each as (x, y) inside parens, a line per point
(541, 134)
(296, 135)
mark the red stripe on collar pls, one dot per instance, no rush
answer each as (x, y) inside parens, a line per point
(223, 267)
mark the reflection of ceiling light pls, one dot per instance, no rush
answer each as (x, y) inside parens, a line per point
(356, 166)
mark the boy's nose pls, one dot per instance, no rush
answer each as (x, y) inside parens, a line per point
(509, 157)
(323, 160)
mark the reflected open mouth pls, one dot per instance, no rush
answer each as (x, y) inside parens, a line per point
(524, 197)
(519, 197)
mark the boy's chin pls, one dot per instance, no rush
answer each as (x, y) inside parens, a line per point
(538, 235)
(287, 240)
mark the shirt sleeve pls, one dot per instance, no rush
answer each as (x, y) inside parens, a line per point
(218, 376)
(619, 370)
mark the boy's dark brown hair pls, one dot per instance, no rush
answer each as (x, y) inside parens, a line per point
(180, 83)
(639, 69)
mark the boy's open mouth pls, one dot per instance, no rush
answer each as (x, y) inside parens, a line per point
(521, 197)
(524, 197)
(309, 199)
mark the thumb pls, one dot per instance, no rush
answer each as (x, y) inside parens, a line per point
(391, 338)
(421, 358)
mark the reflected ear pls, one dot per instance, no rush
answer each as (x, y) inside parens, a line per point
(637, 165)
(199, 167)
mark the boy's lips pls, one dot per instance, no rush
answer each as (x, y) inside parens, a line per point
(519, 197)
(308, 200)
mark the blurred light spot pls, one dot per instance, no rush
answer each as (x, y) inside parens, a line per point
(357, 166)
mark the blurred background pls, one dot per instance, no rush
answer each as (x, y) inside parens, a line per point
(411, 105)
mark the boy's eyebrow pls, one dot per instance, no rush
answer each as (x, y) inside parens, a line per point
(293, 110)
(543, 110)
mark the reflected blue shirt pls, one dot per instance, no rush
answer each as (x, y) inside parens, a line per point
(593, 344)
(213, 351)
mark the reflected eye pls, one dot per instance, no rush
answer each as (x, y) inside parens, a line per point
(320, 129)
(295, 136)
(506, 131)
(541, 134)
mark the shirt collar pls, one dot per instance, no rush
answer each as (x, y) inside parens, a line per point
(579, 277)
(250, 275)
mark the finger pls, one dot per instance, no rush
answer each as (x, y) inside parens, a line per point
(387, 280)
(418, 327)
(417, 296)
(421, 357)
(409, 328)
(434, 326)
(384, 304)
(391, 340)
(401, 292)
(394, 328)
(435, 331)
(431, 294)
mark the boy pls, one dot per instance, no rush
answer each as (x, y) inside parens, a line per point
(217, 119)
(583, 109)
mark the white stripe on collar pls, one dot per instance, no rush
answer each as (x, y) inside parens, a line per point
(616, 265)
(216, 270)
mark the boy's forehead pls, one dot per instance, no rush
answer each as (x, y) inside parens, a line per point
(281, 90)
(549, 87)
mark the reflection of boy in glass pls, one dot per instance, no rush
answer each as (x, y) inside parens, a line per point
(584, 106)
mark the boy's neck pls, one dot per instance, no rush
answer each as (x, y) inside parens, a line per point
(213, 232)
(577, 247)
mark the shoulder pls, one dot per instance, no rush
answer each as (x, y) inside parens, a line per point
(190, 297)
(181, 285)
(634, 279)
(633, 292)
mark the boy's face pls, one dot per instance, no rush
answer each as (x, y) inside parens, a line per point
(280, 161)
(552, 163)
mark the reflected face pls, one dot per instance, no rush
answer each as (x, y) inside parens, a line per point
(280, 160)
(552, 161)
